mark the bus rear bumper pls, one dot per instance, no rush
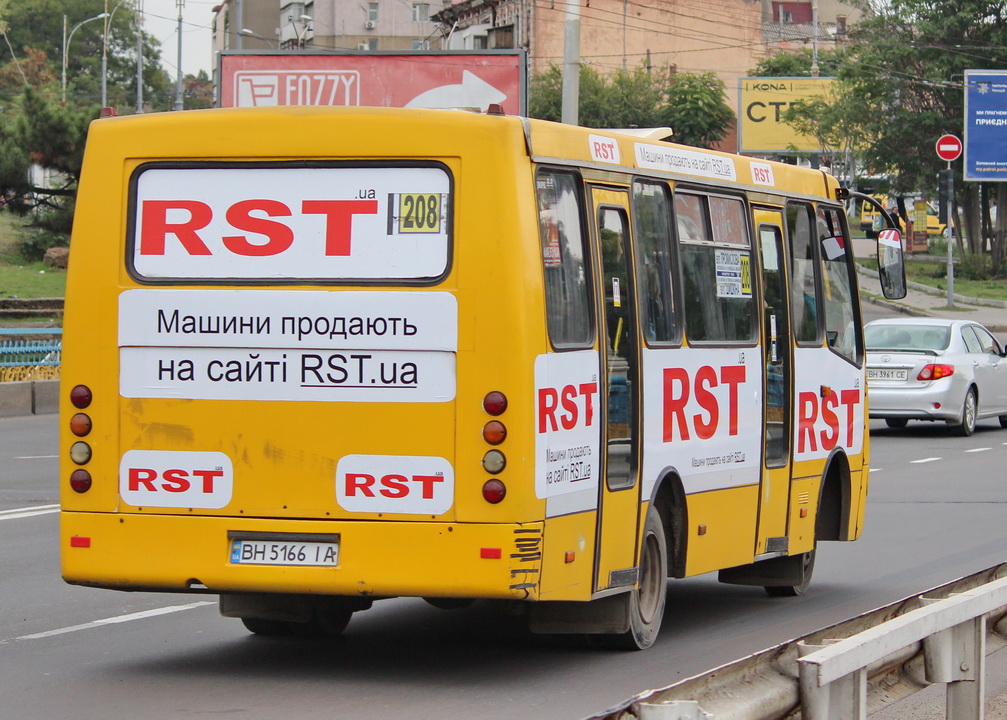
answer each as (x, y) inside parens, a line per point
(175, 553)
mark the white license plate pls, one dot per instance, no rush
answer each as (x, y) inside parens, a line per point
(887, 374)
(292, 550)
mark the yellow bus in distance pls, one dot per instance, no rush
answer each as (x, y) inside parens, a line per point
(314, 358)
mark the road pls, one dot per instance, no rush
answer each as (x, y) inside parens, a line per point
(935, 513)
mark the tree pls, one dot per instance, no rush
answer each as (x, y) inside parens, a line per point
(696, 108)
(49, 136)
(38, 24)
(694, 105)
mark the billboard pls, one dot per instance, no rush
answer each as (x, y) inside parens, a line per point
(986, 125)
(449, 79)
(761, 104)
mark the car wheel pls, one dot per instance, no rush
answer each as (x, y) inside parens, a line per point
(896, 422)
(966, 424)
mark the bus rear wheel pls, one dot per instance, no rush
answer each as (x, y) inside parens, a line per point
(647, 600)
(324, 622)
(807, 567)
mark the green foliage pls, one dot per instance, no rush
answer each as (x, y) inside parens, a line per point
(694, 105)
(697, 109)
(798, 64)
(51, 137)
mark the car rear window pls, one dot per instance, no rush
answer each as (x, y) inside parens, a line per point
(907, 337)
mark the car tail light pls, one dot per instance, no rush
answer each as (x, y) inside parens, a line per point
(935, 372)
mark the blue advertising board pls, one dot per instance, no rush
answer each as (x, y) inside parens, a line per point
(986, 125)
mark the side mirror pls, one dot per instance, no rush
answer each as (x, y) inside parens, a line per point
(891, 265)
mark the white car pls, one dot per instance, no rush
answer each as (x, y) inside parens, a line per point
(935, 369)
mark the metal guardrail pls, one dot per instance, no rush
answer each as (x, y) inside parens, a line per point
(833, 677)
(848, 669)
(27, 358)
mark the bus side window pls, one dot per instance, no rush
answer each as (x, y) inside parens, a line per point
(655, 262)
(716, 266)
(839, 297)
(804, 308)
(567, 285)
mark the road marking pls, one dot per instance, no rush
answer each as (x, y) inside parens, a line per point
(35, 457)
(143, 615)
(978, 450)
(924, 460)
(25, 512)
(875, 469)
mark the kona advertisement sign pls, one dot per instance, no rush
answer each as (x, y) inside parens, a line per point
(762, 102)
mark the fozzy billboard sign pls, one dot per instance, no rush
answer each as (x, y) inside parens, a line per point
(449, 79)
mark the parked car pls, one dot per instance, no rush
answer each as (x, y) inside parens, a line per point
(935, 369)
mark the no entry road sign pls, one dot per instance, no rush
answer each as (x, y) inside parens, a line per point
(949, 148)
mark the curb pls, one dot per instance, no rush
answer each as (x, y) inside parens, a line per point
(29, 397)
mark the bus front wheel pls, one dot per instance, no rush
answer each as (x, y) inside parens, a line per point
(647, 600)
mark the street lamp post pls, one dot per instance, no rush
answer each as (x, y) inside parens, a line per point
(66, 43)
(305, 27)
(104, 48)
(178, 88)
(245, 32)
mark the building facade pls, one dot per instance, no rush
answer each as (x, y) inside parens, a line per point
(728, 37)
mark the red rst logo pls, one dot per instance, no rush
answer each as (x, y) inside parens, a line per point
(605, 150)
(679, 387)
(389, 486)
(172, 480)
(808, 416)
(577, 402)
(155, 227)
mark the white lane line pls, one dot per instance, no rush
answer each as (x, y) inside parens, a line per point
(35, 457)
(924, 460)
(978, 450)
(875, 469)
(26, 512)
(117, 619)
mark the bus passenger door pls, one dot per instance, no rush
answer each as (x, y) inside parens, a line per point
(619, 493)
(774, 495)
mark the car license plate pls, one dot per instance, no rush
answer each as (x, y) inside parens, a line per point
(887, 374)
(284, 549)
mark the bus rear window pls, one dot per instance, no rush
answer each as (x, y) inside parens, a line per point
(284, 224)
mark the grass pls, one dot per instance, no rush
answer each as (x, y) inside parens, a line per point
(934, 275)
(20, 278)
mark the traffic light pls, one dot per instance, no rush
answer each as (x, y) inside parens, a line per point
(945, 194)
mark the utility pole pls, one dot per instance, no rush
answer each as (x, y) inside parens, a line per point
(571, 63)
(178, 87)
(139, 57)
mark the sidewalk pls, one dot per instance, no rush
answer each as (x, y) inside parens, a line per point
(925, 301)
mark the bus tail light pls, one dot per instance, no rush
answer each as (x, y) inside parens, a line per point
(80, 396)
(80, 453)
(494, 461)
(935, 372)
(494, 432)
(494, 491)
(495, 403)
(80, 425)
(80, 481)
